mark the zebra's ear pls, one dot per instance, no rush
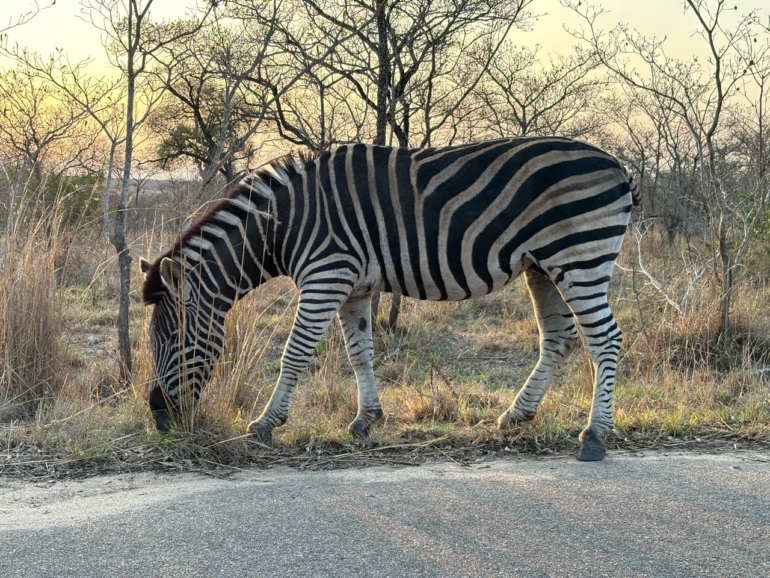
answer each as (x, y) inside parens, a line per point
(144, 265)
(171, 276)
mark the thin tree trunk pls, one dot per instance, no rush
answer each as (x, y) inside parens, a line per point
(383, 86)
(727, 277)
(383, 73)
(403, 140)
(395, 309)
(118, 233)
(124, 343)
(375, 306)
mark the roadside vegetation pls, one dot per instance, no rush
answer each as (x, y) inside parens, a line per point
(96, 172)
(445, 374)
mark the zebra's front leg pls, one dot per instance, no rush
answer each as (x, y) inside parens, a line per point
(558, 337)
(317, 308)
(355, 317)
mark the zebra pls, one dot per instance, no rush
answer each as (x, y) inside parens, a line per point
(447, 223)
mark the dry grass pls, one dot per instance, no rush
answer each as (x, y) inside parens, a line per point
(445, 375)
(30, 322)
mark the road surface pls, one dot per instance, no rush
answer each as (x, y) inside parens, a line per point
(657, 515)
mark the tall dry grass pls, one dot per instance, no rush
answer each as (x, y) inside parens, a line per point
(30, 320)
(254, 331)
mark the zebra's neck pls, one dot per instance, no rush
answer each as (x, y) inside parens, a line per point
(229, 252)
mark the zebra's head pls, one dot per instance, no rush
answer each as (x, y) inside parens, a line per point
(186, 337)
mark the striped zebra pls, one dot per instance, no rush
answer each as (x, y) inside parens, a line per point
(441, 224)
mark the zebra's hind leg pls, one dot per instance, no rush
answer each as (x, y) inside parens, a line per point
(558, 338)
(318, 304)
(603, 337)
(355, 317)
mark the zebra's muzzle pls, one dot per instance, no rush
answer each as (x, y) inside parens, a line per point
(159, 406)
(163, 421)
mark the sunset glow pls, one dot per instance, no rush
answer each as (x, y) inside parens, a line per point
(63, 25)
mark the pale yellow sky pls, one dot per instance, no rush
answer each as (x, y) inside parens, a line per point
(60, 27)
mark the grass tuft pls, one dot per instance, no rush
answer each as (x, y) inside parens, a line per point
(30, 322)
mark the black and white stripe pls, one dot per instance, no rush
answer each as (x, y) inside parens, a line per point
(440, 224)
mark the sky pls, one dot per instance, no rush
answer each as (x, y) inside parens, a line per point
(60, 27)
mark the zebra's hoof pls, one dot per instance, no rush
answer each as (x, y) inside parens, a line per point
(592, 448)
(359, 428)
(512, 418)
(261, 433)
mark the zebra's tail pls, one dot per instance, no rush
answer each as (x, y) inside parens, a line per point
(636, 194)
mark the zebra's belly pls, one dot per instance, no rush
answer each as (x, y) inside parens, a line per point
(449, 288)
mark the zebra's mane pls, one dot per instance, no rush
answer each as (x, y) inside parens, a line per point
(273, 176)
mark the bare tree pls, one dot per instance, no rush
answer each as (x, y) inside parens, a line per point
(208, 117)
(132, 41)
(41, 130)
(525, 95)
(224, 84)
(24, 17)
(118, 106)
(397, 50)
(204, 115)
(395, 54)
(654, 142)
(700, 94)
(320, 111)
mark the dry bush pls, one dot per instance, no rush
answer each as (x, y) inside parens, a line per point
(690, 339)
(30, 322)
(697, 342)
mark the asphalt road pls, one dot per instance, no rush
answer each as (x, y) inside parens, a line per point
(668, 516)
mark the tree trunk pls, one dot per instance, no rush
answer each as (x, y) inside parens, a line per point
(117, 233)
(402, 133)
(727, 283)
(124, 343)
(383, 89)
(375, 306)
(383, 73)
(395, 309)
